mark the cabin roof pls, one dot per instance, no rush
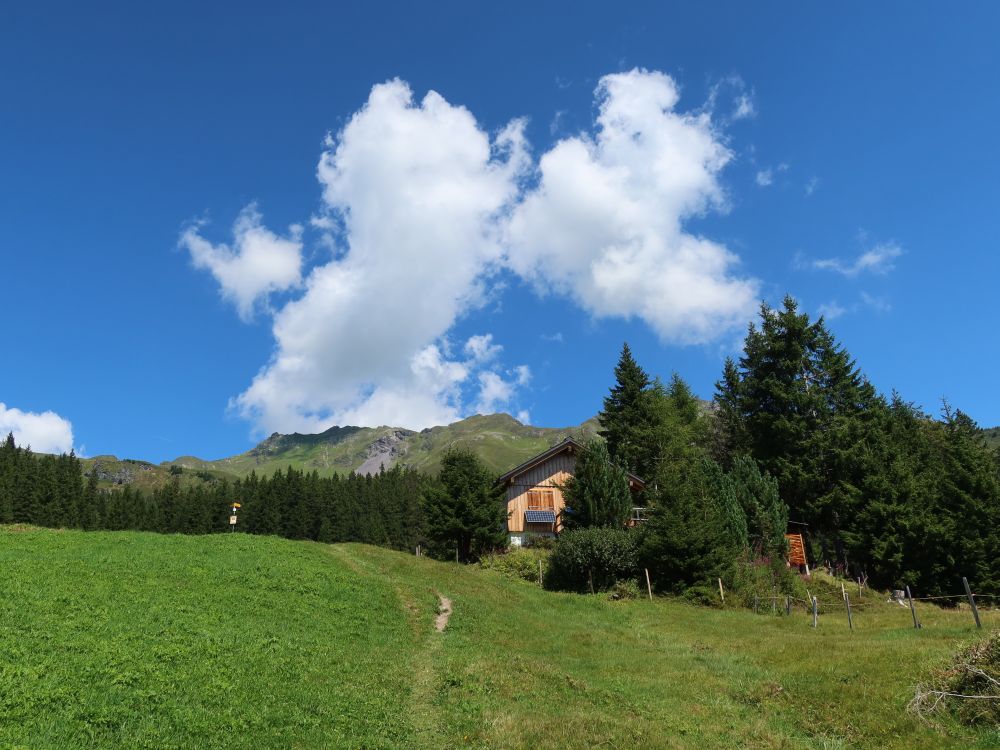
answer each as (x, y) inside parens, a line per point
(567, 444)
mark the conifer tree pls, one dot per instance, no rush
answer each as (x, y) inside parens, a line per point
(696, 530)
(598, 493)
(465, 509)
(627, 416)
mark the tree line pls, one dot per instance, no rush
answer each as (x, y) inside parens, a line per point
(385, 509)
(796, 432)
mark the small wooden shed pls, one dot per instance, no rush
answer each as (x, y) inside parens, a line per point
(534, 492)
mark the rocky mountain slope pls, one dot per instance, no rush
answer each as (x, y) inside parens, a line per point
(499, 439)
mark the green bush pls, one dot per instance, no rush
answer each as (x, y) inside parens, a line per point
(627, 589)
(598, 556)
(520, 564)
(750, 580)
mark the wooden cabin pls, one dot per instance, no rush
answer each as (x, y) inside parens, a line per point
(534, 492)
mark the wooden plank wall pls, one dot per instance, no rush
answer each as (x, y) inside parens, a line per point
(547, 475)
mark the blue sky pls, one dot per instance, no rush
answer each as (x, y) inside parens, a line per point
(217, 222)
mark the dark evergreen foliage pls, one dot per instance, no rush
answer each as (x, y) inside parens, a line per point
(886, 490)
(628, 416)
(465, 509)
(696, 531)
(384, 509)
(598, 493)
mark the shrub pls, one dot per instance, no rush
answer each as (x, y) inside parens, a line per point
(519, 564)
(602, 556)
(749, 580)
(627, 589)
(541, 542)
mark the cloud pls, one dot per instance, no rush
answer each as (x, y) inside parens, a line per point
(604, 225)
(418, 188)
(555, 338)
(740, 100)
(423, 208)
(494, 392)
(878, 260)
(481, 348)
(879, 304)
(45, 432)
(832, 310)
(811, 186)
(765, 177)
(258, 263)
(744, 107)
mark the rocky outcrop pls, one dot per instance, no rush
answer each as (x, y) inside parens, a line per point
(384, 452)
(120, 472)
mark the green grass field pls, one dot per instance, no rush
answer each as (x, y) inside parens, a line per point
(145, 641)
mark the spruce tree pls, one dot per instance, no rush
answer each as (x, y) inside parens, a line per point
(465, 509)
(598, 493)
(627, 416)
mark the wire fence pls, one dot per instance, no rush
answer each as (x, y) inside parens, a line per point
(979, 609)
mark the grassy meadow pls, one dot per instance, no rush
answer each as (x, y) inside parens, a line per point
(152, 641)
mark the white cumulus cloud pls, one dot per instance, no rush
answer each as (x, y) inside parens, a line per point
(258, 263)
(418, 187)
(45, 432)
(423, 207)
(606, 223)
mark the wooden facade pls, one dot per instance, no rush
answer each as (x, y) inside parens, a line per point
(539, 488)
(536, 485)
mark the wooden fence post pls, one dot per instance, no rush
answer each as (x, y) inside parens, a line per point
(788, 605)
(972, 601)
(721, 592)
(913, 610)
(815, 612)
(649, 585)
(847, 601)
(539, 572)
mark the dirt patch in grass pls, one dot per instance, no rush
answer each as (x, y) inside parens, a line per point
(444, 613)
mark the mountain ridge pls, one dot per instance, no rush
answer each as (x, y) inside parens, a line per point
(499, 439)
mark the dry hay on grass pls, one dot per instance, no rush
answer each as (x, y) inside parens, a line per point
(970, 687)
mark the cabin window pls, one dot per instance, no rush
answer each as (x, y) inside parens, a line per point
(541, 500)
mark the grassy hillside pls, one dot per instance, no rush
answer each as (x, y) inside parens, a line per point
(499, 439)
(137, 640)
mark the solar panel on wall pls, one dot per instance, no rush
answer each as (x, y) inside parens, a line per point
(540, 516)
